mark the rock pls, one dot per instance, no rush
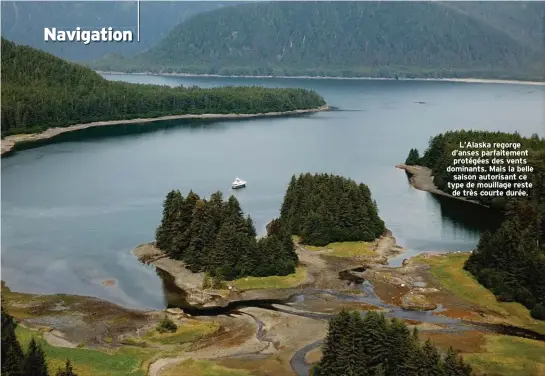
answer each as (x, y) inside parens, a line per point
(417, 302)
(175, 311)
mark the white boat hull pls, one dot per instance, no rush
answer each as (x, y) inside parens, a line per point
(237, 186)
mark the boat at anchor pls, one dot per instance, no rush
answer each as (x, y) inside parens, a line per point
(238, 183)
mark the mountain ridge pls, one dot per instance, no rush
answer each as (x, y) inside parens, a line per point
(23, 23)
(342, 39)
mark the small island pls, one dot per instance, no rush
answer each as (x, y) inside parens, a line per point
(44, 96)
(211, 251)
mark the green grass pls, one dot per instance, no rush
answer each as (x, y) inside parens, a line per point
(86, 362)
(192, 367)
(272, 282)
(129, 360)
(188, 331)
(448, 270)
(507, 355)
(346, 249)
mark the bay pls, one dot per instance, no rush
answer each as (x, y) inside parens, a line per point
(73, 210)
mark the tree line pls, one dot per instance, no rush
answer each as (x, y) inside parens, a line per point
(325, 208)
(376, 346)
(213, 236)
(15, 362)
(40, 91)
(511, 260)
(349, 39)
(438, 156)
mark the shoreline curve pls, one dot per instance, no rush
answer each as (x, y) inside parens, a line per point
(460, 80)
(9, 142)
(421, 178)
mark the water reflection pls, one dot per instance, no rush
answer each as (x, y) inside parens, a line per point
(467, 217)
(135, 129)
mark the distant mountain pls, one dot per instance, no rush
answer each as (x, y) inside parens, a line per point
(23, 22)
(523, 21)
(425, 39)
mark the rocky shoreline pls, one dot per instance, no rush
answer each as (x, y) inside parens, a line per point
(192, 283)
(421, 178)
(9, 142)
(318, 272)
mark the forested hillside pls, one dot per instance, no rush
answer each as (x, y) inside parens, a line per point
(521, 20)
(40, 91)
(387, 39)
(377, 346)
(325, 208)
(23, 22)
(510, 261)
(213, 236)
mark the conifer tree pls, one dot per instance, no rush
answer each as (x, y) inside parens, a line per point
(325, 208)
(163, 235)
(413, 158)
(222, 260)
(377, 346)
(12, 354)
(213, 236)
(250, 227)
(375, 338)
(431, 361)
(450, 365)
(34, 363)
(400, 341)
(194, 256)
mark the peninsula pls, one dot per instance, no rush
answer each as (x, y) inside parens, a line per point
(44, 96)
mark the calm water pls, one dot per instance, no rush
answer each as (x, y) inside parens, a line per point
(72, 211)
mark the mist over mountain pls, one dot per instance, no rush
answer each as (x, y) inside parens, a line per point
(23, 22)
(387, 39)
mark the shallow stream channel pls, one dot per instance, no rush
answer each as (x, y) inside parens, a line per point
(176, 299)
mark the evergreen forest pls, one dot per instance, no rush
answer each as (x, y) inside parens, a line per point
(511, 260)
(325, 208)
(413, 158)
(352, 39)
(377, 346)
(16, 362)
(40, 91)
(24, 23)
(213, 236)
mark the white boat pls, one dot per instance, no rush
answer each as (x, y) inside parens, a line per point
(238, 183)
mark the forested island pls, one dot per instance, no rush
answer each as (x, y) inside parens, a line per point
(377, 346)
(40, 91)
(335, 39)
(509, 261)
(325, 208)
(214, 236)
